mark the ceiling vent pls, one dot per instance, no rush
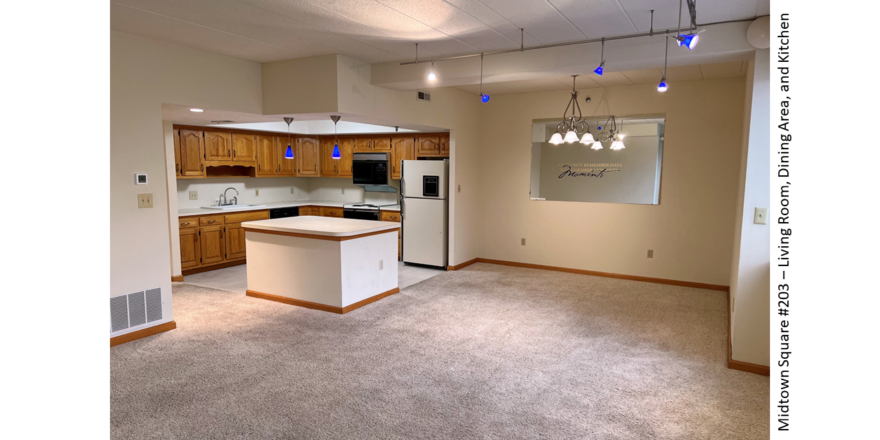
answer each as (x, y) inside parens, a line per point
(424, 96)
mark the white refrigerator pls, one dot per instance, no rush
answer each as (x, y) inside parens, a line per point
(424, 208)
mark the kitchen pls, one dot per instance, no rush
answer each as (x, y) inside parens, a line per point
(229, 178)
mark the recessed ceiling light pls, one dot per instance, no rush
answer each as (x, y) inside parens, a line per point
(196, 110)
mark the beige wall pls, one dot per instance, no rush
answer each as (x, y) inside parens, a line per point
(689, 231)
(144, 74)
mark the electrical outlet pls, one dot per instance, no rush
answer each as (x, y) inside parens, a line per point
(193, 195)
(381, 264)
(257, 192)
(291, 190)
(522, 241)
(343, 191)
(650, 253)
(145, 200)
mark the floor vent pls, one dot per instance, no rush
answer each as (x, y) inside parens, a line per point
(424, 96)
(135, 309)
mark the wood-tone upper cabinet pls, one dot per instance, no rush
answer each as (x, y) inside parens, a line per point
(189, 248)
(286, 167)
(244, 147)
(307, 157)
(218, 146)
(428, 146)
(267, 163)
(329, 165)
(382, 144)
(177, 161)
(403, 149)
(213, 244)
(444, 145)
(363, 145)
(346, 150)
(192, 150)
(235, 244)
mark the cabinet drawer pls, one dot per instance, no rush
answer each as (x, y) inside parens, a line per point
(211, 220)
(390, 216)
(331, 212)
(188, 222)
(246, 217)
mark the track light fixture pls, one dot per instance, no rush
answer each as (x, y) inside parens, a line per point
(662, 86)
(483, 97)
(336, 154)
(690, 39)
(599, 70)
(431, 75)
(289, 153)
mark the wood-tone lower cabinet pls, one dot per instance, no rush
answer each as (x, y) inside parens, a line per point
(307, 157)
(213, 244)
(235, 244)
(310, 210)
(394, 216)
(402, 149)
(190, 254)
(331, 212)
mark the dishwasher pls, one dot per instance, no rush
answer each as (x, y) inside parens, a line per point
(290, 211)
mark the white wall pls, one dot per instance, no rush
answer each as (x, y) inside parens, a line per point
(272, 189)
(144, 74)
(689, 231)
(750, 266)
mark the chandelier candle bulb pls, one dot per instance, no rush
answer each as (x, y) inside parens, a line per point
(571, 137)
(556, 139)
(597, 145)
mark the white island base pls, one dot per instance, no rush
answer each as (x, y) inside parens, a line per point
(324, 263)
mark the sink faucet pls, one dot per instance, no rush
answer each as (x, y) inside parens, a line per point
(225, 201)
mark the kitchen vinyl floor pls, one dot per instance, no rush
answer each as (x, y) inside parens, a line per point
(234, 279)
(486, 352)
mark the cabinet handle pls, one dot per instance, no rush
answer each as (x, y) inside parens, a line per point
(202, 166)
(177, 167)
(259, 167)
(184, 224)
(233, 154)
(211, 221)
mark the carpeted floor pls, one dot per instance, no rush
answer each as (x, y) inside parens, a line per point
(485, 352)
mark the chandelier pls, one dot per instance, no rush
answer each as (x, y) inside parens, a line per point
(613, 135)
(574, 126)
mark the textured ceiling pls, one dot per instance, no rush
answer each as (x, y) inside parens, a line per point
(610, 79)
(385, 30)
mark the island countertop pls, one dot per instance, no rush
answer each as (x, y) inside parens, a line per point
(323, 226)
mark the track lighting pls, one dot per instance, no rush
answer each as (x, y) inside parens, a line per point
(289, 153)
(690, 39)
(601, 67)
(662, 86)
(335, 154)
(484, 97)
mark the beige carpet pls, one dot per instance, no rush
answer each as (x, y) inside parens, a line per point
(485, 352)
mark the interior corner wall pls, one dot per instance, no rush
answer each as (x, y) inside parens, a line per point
(144, 74)
(689, 231)
(171, 193)
(750, 265)
(449, 108)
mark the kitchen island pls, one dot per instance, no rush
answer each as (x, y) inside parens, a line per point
(324, 263)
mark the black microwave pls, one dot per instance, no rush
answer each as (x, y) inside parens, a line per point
(369, 168)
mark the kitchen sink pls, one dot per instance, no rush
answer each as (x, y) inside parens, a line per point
(227, 207)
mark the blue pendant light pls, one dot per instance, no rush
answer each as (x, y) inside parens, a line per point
(662, 86)
(484, 98)
(336, 155)
(599, 70)
(289, 153)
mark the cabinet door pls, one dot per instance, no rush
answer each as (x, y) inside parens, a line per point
(266, 161)
(286, 167)
(331, 212)
(189, 248)
(192, 150)
(428, 146)
(363, 145)
(235, 245)
(307, 157)
(382, 144)
(346, 149)
(403, 149)
(328, 164)
(177, 161)
(244, 148)
(444, 145)
(213, 246)
(218, 145)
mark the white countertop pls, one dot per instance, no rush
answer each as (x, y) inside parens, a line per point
(330, 204)
(327, 226)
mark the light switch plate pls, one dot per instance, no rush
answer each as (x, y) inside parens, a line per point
(760, 216)
(291, 190)
(381, 264)
(257, 193)
(145, 200)
(193, 195)
(650, 253)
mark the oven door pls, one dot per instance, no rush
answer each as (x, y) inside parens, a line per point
(361, 214)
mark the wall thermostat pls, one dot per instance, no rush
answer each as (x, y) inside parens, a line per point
(140, 179)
